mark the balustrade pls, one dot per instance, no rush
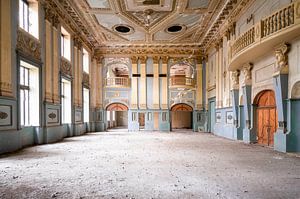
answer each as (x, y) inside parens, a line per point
(182, 82)
(117, 82)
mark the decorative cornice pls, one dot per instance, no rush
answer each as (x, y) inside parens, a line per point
(148, 51)
(63, 9)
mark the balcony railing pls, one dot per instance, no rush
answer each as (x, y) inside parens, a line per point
(281, 26)
(121, 82)
(182, 82)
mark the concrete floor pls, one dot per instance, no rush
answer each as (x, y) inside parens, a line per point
(149, 165)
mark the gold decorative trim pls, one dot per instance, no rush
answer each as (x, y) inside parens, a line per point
(28, 45)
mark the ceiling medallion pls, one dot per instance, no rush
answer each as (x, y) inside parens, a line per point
(123, 29)
(176, 28)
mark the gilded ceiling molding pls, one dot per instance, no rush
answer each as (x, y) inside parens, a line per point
(28, 45)
(65, 11)
(148, 51)
(281, 54)
(231, 12)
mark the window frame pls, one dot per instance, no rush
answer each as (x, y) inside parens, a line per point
(25, 18)
(24, 94)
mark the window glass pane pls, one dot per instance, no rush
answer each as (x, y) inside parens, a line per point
(26, 107)
(21, 75)
(22, 107)
(26, 77)
(25, 17)
(108, 115)
(21, 14)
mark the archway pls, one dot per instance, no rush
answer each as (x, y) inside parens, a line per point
(182, 116)
(117, 116)
(266, 115)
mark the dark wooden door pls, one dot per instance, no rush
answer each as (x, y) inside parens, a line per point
(142, 120)
(266, 118)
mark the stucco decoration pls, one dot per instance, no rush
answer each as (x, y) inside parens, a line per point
(65, 67)
(235, 78)
(296, 91)
(28, 45)
(281, 54)
(86, 79)
(247, 74)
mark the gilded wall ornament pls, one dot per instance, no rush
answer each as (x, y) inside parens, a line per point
(65, 67)
(85, 79)
(28, 45)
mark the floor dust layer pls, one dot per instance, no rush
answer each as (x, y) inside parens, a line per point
(149, 165)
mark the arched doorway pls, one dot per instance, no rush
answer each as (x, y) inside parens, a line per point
(182, 116)
(117, 116)
(266, 117)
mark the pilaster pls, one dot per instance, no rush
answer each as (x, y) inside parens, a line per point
(142, 83)
(164, 83)
(5, 49)
(134, 83)
(249, 135)
(280, 81)
(156, 82)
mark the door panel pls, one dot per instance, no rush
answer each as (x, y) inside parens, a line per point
(266, 118)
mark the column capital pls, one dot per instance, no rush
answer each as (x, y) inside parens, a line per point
(281, 54)
(164, 59)
(134, 59)
(235, 78)
(247, 68)
(77, 42)
(156, 59)
(143, 59)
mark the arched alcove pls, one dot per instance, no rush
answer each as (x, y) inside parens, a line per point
(182, 116)
(296, 91)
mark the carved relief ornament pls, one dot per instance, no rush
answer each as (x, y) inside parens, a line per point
(65, 67)
(235, 77)
(28, 45)
(247, 74)
(281, 54)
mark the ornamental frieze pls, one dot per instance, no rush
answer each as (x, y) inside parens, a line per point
(65, 67)
(28, 45)
(147, 51)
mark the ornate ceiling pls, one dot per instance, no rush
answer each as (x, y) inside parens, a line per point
(148, 23)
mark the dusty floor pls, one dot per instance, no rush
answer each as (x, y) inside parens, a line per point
(149, 165)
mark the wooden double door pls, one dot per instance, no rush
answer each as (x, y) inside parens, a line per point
(266, 118)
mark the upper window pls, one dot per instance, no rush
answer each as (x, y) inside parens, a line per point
(86, 61)
(65, 40)
(28, 17)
